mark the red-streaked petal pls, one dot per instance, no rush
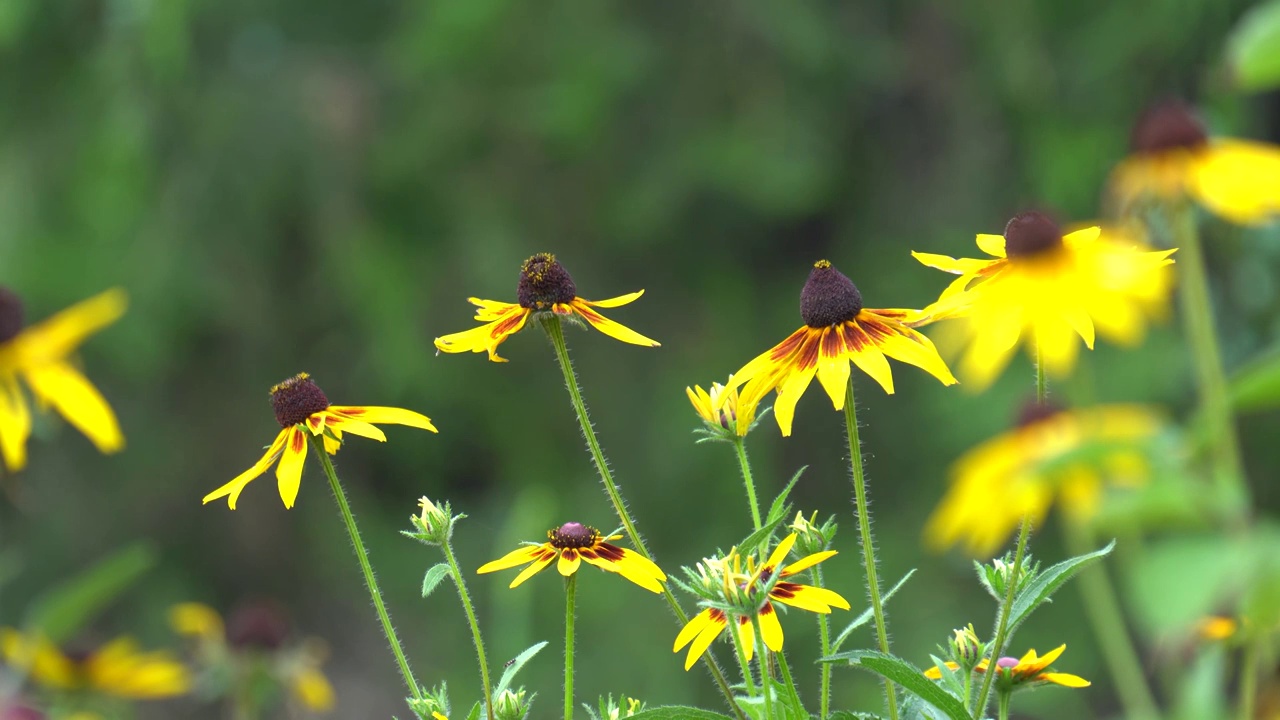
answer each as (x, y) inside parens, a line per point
(519, 556)
(615, 330)
(569, 562)
(617, 301)
(355, 427)
(808, 597)
(534, 568)
(379, 415)
(770, 628)
(289, 471)
(233, 489)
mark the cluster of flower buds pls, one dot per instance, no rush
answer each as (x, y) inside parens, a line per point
(812, 538)
(433, 525)
(997, 576)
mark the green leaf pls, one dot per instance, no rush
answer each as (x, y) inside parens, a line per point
(910, 677)
(514, 667)
(777, 513)
(778, 509)
(1038, 591)
(475, 712)
(1253, 48)
(60, 612)
(678, 712)
(847, 715)
(868, 614)
(433, 578)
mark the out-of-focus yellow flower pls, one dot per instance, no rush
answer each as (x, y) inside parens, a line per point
(118, 668)
(571, 544)
(1049, 291)
(40, 355)
(1217, 628)
(1174, 158)
(196, 620)
(719, 407)
(1029, 669)
(1024, 470)
(544, 286)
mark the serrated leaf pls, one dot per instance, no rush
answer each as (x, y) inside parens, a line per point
(759, 537)
(868, 614)
(909, 677)
(514, 667)
(778, 510)
(1038, 591)
(1253, 48)
(433, 578)
(985, 580)
(60, 612)
(678, 712)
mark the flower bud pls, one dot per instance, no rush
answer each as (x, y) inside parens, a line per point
(629, 707)
(511, 705)
(433, 524)
(966, 648)
(812, 538)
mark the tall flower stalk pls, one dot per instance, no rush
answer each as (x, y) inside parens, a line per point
(570, 609)
(740, 446)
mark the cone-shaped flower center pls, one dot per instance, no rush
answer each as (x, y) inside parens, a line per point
(1170, 125)
(12, 315)
(829, 298)
(544, 282)
(1031, 233)
(258, 625)
(1033, 412)
(573, 535)
(297, 399)
(1007, 662)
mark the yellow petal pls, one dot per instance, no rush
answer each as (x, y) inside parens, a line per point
(519, 556)
(833, 374)
(377, 415)
(692, 629)
(807, 562)
(871, 361)
(289, 471)
(770, 628)
(780, 552)
(1064, 679)
(709, 633)
(56, 337)
(536, 567)
(935, 674)
(15, 424)
(236, 486)
(914, 348)
(992, 245)
(64, 388)
(1057, 346)
(490, 310)
(945, 263)
(41, 658)
(312, 689)
(485, 338)
(1239, 180)
(608, 327)
(789, 393)
(808, 597)
(356, 427)
(747, 636)
(617, 301)
(569, 562)
(196, 620)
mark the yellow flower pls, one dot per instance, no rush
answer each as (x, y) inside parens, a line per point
(438, 716)
(1050, 291)
(837, 330)
(545, 286)
(572, 543)
(197, 620)
(1029, 669)
(1217, 628)
(720, 407)
(40, 356)
(118, 668)
(707, 625)
(1022, 472)
(301, 672)
(1174, 157)
(301, 407)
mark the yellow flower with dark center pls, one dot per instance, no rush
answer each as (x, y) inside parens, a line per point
(301, 407)
(837, 330)
(544, 286)
(572, 543)
(1025, 671)
(1024, 471)
(40, 356)
(707, 625)
(720, 407)
(1050, 291)
(1174, 158)
(118, 668)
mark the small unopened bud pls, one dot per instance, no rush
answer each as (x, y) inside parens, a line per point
(810, 537)
(430, 707)
(510, 705)
(433, 524)
(966, 648)
(1000, 574)
(625, 709)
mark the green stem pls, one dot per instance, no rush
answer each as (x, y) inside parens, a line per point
(465, 596)
(570, 596)
(1197, 315)
(1249, 680)
(1103, 609)
(762, 658)
(824, 636)
(1003, 702)
(551, 323)
(968, 689)
(785, 669)
(740, 445)
(868, 545)
(1006, 607)
(748, 678)
(362, 554)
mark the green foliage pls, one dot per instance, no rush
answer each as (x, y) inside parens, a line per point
(433, 577)
(508, 675)
(1040, 587)
(910, 677)
(678, 712)
(63, 610)
(869, 614)
(1255, 387)
(1253, 48)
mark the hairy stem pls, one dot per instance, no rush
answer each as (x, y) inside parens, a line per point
(1006, 607)
(570, 596)
(824, 636)
(740, 445)
(465, 596)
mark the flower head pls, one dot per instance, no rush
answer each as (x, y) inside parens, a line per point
(719, 409)
(1029, 670)
(1050, 290)
(837, 331)
(544, 286)
(1173, 157)
(301, 407)
(41, 355)
(433, 525)
(1052, 454)
(572, 543)
(749, 597)
(119, 668)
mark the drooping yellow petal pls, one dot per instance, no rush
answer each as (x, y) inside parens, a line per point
(833, 370)
(1064, 679)
(39, 657)
(355, 427)
(789, 393)
(58, 336)
(377, 415)
(712, 623)
(15, 424)
(289, 471)
(196, 620)
(1239, 180)
(627, 570)
(569, 562)
(955, 266)
(617, 301)
(519, 556)
(747, 636)
(490, 310)
(770, 628)
(992, 245)
(807, 562)
(120, 669)
(312, 689)
(535, 567)
(872, 362)
(71, 394)
(233, 489)
(617, 331)
(914, 348)
(808, 597)
(486, 338)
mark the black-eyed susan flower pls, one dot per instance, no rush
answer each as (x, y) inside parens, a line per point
(748, 595)
(1068, 456)
(719, 408)
(572, 543)
(1028, 670)
(1173, 158)
(118, 669)
(837, 330)
(1050, 290)
(544, 286)
(301, 407)
(40, 356)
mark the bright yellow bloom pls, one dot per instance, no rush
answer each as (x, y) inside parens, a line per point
(1049, 291)
(1174, 157)
(707, 625)
(572, 543)
(1217, 628)
(1024, 470)
(837, 330)
(118, 668)
(40, 355)
(1029, 669)
(545, 286)
(720, 407)
(301, 407)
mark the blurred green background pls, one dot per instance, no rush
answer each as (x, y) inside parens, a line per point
(286, 186)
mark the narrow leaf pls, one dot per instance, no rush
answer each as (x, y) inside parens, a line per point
(910, 677)
(514, 667)
(678, 712)
(1037, 592)
(60, 612)
(433, 578)
(778, 509)
(868, 614)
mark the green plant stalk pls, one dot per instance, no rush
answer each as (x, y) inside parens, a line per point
(1003, 703)
(570, 597)
(748, 678)
(740, 445)
(1197, 315)
(824, 637)
(968, 690)
(551, 323)
(362, 554)
(1002, 621)
(868, 545)
(1103, 609)
(762, 657)
(465, 596)
(785, 669)
(1249, 680)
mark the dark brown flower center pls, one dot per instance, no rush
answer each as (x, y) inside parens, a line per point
(1033, 412)
(260, 625)
(1169, 125)
(1031, 233)
(544, 282)
(572, 536)
(297, 399)
(12, 316)
(828, 298)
